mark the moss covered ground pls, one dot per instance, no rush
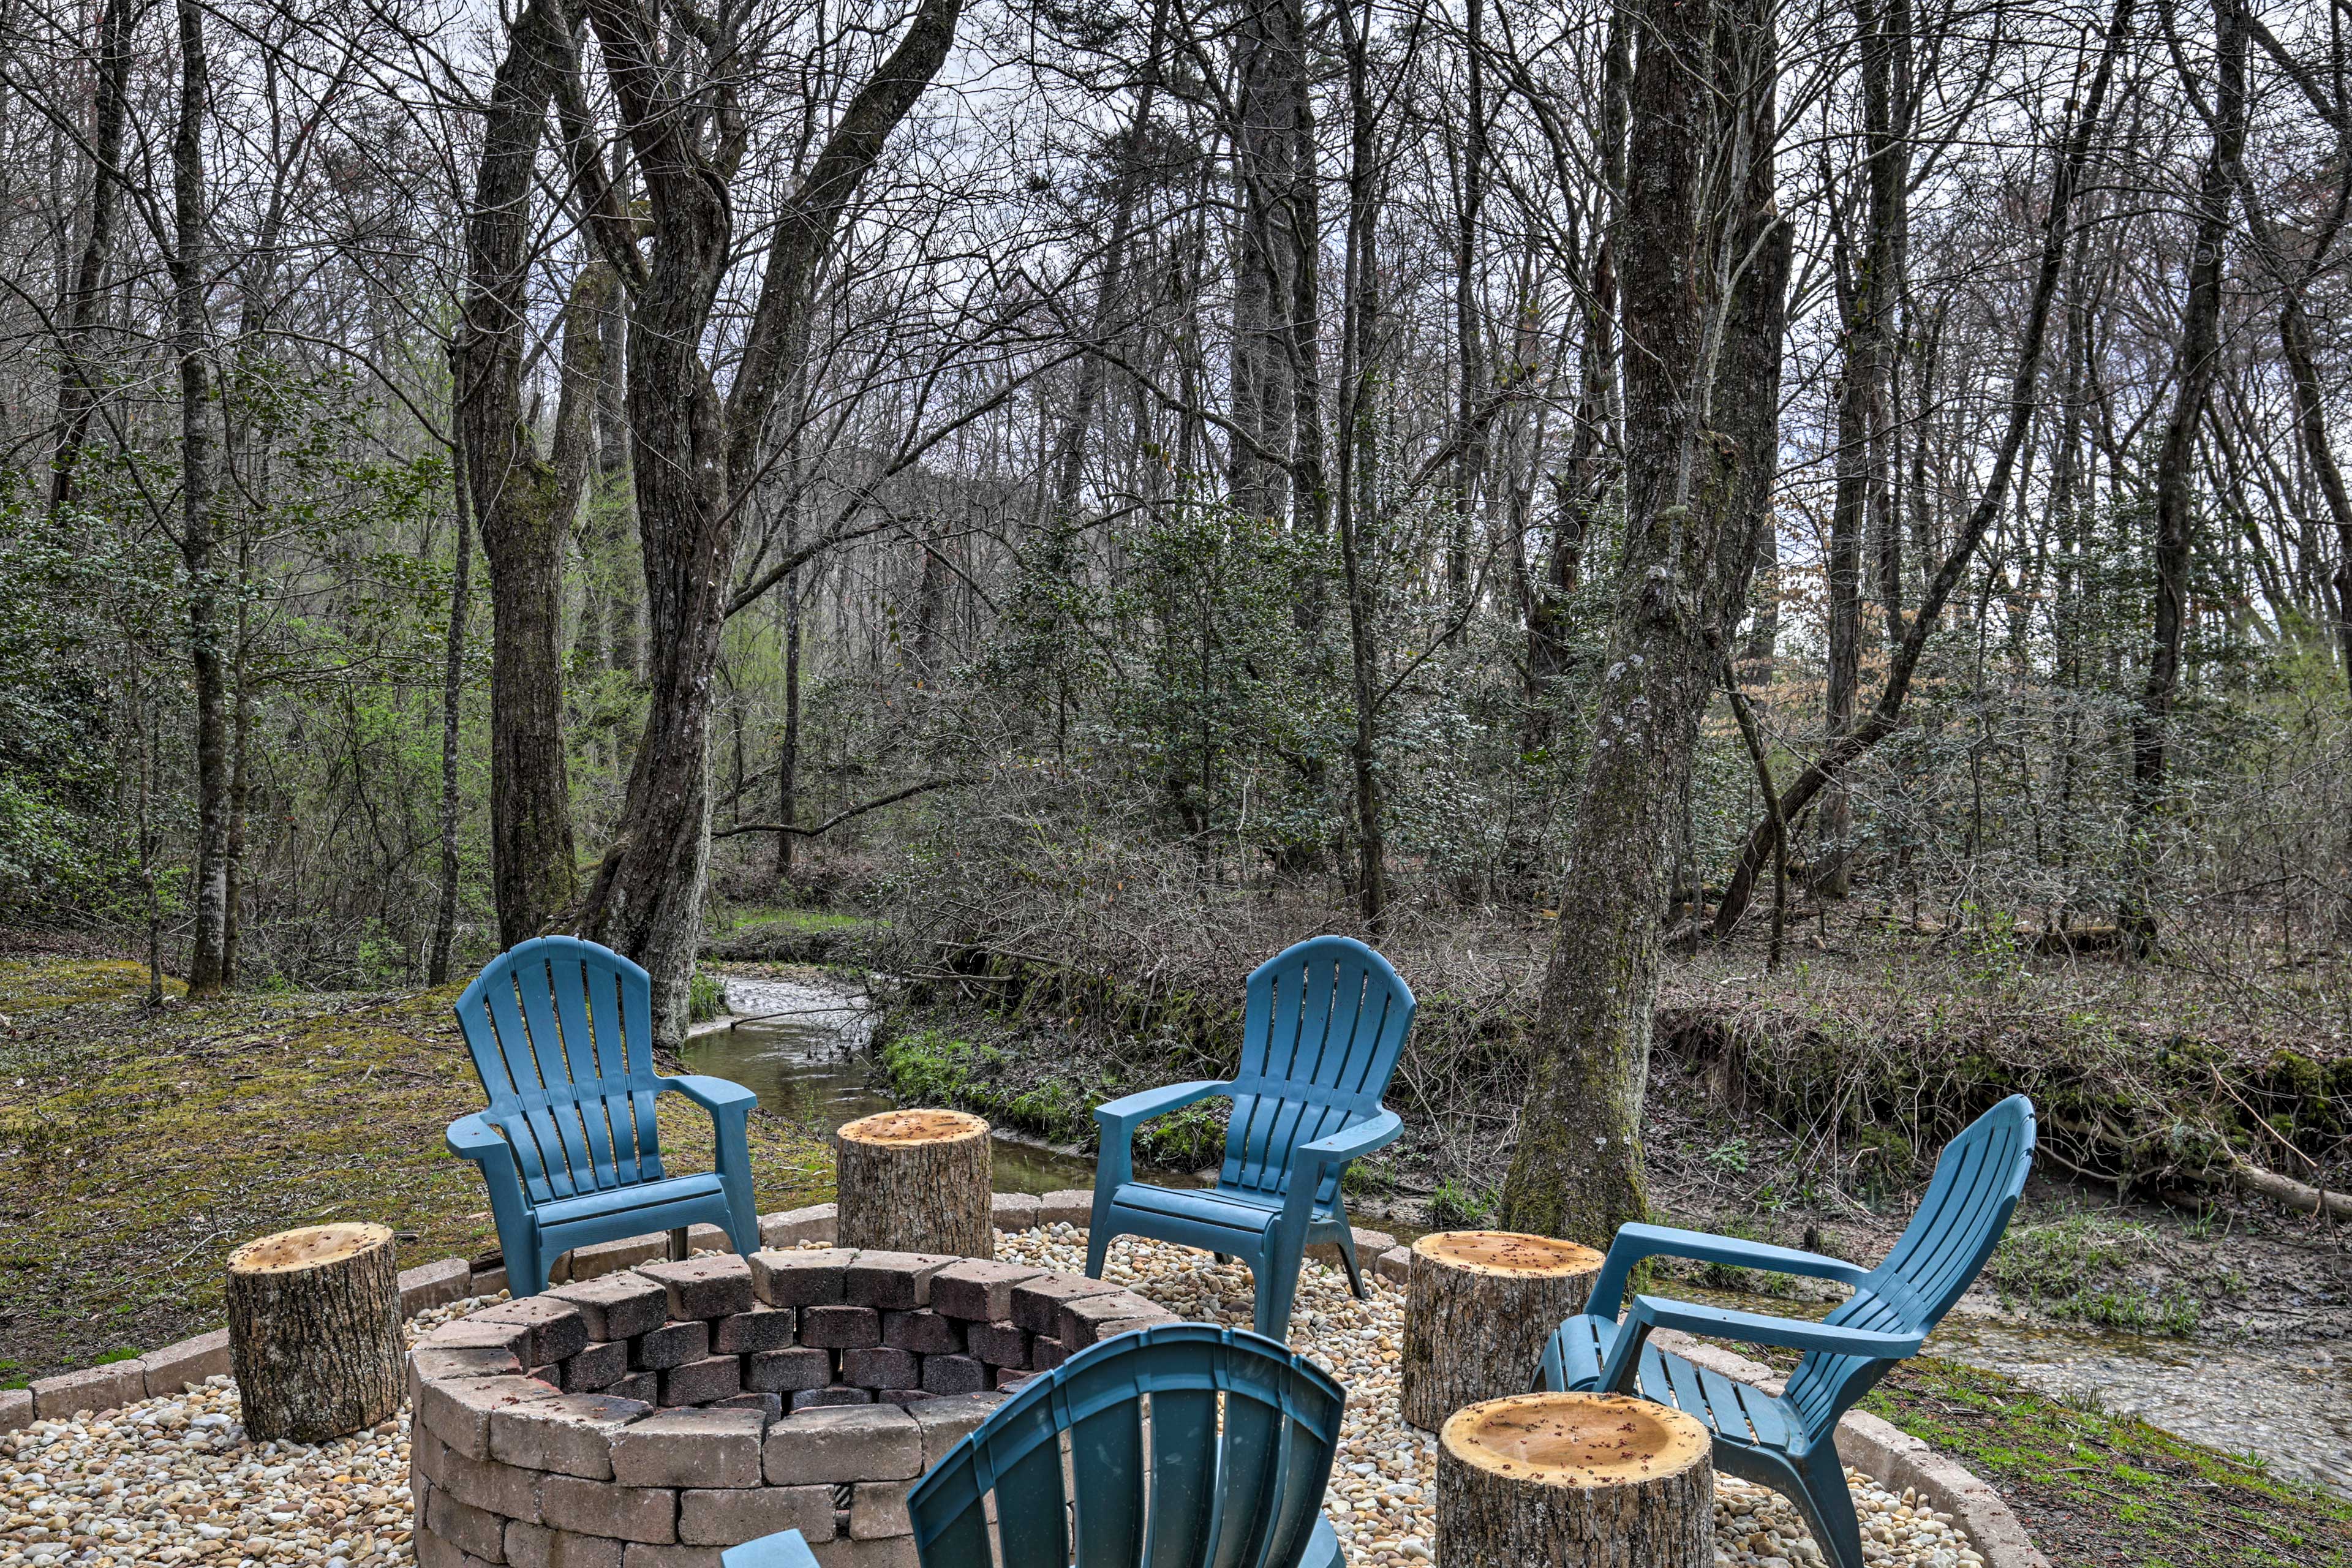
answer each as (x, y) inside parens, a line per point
(2095, 1489)
(138, 1145)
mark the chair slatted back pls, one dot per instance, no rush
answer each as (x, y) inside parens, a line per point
(562, 1033)
(1178, 1446)
(1322, 1025)
(1979, 1179)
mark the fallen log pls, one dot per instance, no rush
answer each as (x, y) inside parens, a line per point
(2302, 1197)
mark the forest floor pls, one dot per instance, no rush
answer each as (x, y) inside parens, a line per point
(138, 1145)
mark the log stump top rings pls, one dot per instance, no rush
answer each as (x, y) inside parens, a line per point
(1506, 1253)
(892, 1128)
(1479, 1305)
(1583, 1440)
(1574, 1480)
(312, 1247)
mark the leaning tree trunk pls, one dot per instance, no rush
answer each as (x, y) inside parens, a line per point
(314, 1332)
(1574, 1480)
(915, 1181)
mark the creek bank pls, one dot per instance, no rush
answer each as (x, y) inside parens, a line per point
(2152, 1310)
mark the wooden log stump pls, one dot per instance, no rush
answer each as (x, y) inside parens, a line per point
(1479, 1305)
(915, 1181)
(314, 1332)
(1574, 1480)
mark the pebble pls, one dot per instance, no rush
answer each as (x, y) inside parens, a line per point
(174, 1480)
(1383, 1501)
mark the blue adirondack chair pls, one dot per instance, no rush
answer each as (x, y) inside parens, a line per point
(561, 1032)
(1228, 1467)
(1787, 1441)
(1321, 1027)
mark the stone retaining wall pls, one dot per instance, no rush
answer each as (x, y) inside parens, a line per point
(649, 1417)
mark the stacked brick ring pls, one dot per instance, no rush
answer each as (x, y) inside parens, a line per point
(650, 1417)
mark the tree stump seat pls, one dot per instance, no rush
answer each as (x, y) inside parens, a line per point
(314, 1332)
(1574, 1480)
(1479, 1305)
(915, 1181)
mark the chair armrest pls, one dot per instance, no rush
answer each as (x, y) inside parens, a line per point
(1115, 1160)
(784, 1550)
(473, 1138)
(1350, 1142)
(1144, 1104)
(1310, 1160)
(1635, 1242)
(713, 1094)
(1757, 1328)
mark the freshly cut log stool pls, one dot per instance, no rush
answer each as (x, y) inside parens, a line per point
(1478, 1306)
(314, 1332)
(916, 1181)
(1574, 1480)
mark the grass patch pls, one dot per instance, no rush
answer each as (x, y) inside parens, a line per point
(2092, 1487)
(138, 1146)
(793, 920)
(2081, 1266)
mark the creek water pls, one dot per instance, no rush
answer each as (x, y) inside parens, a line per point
(800, 1047)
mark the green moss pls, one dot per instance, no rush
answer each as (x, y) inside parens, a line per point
(2095, 1487)
(143, 1145)
(1454, 1206)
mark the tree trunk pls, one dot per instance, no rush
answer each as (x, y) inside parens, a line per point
(453, 693)
(239, 771)
(2176, 498)
(1479, 1305)
(1574, 1480)
(207, 975)
(2057, 231)
(77, 378)
(788, 753)
(1691, 507)
(314, 1330)
(514, 491)
(1357, 508)
(916, 1181)
(1270, 136)
(697, 459)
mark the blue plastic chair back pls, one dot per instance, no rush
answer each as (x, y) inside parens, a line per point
(1322, 1024)
(1226, 1467)
(562, 1033)
(1977, 1181)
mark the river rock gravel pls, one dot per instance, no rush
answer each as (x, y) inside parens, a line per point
(175, 1479)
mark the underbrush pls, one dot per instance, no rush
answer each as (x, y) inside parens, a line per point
(1847, 1069)
(933, 1066)
(2101, 1270)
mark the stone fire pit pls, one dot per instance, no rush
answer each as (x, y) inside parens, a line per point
(648, 1418)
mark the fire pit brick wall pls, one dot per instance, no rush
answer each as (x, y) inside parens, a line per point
(651, 1418)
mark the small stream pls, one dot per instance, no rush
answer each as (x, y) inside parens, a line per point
(800, 1048)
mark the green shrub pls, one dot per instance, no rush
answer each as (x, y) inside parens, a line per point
(706, 999)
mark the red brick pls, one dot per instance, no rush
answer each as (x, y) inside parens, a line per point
(617, 1306)
(1037, 1303)
(841, 1328)
(978, 1289)
(811, 1278)
(758, 1328)
(701, 1382)
(716, 1286)
(672, 1344)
